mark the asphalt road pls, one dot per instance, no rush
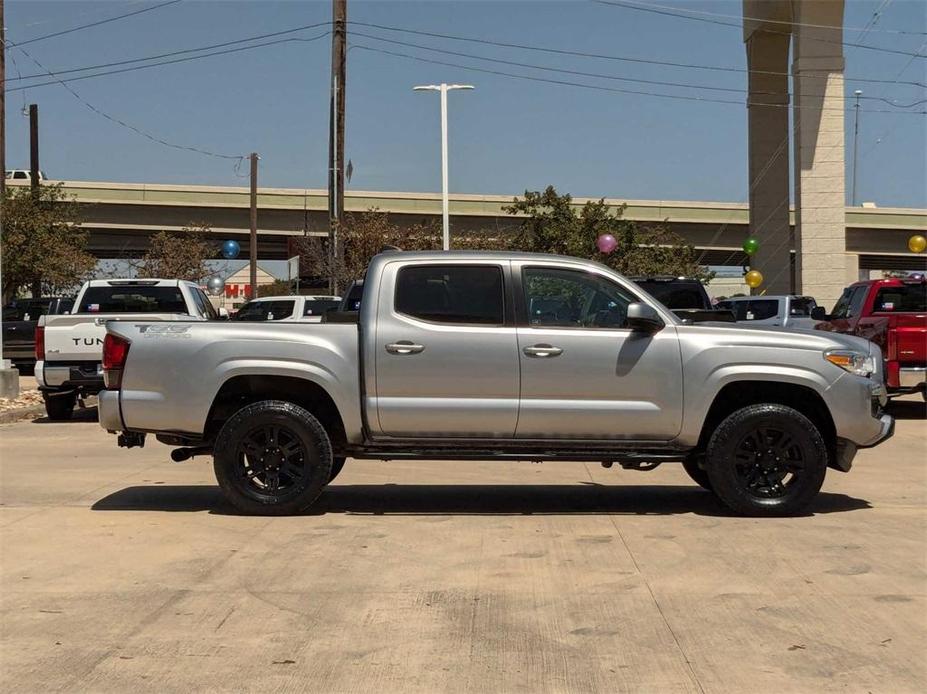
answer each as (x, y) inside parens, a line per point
(121, 571)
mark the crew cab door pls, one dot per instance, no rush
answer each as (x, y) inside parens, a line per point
(446, 354)
(584, 373)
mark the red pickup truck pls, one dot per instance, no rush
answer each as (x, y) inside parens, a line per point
(893, 314)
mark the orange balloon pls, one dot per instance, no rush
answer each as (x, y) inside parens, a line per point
(917, 244)
(754, 279)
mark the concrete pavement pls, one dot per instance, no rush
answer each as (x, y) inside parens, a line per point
(121, 571)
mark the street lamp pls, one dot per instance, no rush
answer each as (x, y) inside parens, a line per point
(444, 89)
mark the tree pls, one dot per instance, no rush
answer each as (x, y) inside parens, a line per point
(551, 224)
(179, 255)
(275, 288)
(44, 248)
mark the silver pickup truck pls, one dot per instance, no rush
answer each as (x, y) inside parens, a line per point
(465, 355)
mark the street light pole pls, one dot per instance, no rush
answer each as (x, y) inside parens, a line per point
(857, 93)
(445, 203)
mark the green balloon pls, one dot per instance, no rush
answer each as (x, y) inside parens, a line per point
(751, 246)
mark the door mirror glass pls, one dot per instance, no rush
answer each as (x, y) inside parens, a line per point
(818, 313)
(644, 318)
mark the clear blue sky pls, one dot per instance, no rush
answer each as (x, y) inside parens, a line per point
(506, 136)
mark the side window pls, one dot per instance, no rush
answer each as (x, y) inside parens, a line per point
(573, 299)
(857, 301)
(207, 309)
(467, 294)
(843, 304)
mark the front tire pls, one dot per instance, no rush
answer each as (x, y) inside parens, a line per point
(272, 458)
(60, 408)
(766, 460)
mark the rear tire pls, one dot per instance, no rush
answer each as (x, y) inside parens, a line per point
(272, 458)
(60, 408)
(337, 467)
(767, 460)
(698, 474)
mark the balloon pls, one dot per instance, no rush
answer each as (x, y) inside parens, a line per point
(606, 243)
(917, 244)
(230, 249)
(751, 246)
(215, 285)
(754, 279)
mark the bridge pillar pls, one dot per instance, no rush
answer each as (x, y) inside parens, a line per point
(768, 152)
(820, 199)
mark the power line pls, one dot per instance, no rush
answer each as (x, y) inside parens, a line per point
(178, 52)
(684, 85)
(124, 124)
(95, 24)
(604, 88)
(57, 80)
(876, 16)
(86, 13)
(600, 56)
(675, 12)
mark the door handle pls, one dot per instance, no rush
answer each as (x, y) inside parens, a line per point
(542, 351)
(404, 347)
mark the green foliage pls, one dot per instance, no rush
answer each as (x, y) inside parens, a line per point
(276, 288)
(179, 255)
(551, 223)
(44, 249)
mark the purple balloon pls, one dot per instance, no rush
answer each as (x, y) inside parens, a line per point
(606, 243)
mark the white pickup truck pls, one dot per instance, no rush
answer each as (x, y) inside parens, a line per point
(69, 347)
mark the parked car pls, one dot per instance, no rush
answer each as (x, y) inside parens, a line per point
(309, 309)
(20, 317)
(23, 175)
(782, 311)
(686, 296)
(892, 313)
(449, 362)
(68, 348)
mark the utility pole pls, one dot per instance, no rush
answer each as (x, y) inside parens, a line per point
(34, 147)
(9, 377)
(252, 254)
(857, 93)
(336, 136)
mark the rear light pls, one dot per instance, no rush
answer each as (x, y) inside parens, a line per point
(39, 343)
(115, 351)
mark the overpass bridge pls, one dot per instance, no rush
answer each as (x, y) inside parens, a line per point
(121, 218)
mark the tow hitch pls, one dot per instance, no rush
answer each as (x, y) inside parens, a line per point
(131, 439)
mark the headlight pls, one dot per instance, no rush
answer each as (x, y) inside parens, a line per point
(855, 362)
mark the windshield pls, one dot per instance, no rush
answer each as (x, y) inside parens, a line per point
(677, 294)
(908, 298)
(266, 310)
(132, 299)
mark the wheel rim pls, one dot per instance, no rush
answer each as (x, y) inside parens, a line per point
(272, 462)
(768, 460)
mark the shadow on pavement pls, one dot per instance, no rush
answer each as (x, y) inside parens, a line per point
(430, 499)
(87, 414)
(907, 409)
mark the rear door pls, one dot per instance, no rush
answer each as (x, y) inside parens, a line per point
(584, 373)
(446, 354)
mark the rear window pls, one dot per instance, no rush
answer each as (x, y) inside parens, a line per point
(802, 306)
(908, 298)
(266, 310)
(317, 307)
(755, 309)
(470, 294)
(675, 294)
(132, 299)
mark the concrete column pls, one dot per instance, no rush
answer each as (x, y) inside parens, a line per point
(768, 152)
(820, 199)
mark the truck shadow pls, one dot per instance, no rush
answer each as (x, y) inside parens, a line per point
(429, 499)
(80, 416)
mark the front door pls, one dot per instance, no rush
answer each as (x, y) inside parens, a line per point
(446, 355)
(584, 373)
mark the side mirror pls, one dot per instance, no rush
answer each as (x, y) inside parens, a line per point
(223, 313)
(644, 318)
(818, 313)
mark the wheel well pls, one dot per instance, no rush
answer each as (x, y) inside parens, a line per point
(240, 391)
(734, 396)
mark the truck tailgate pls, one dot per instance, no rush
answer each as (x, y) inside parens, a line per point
(79, 337)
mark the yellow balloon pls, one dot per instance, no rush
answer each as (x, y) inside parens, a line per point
(754, 279)
(917, 244)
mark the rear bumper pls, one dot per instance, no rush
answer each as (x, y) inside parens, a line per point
(108, 410)
(912, 377)
(85, 376)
